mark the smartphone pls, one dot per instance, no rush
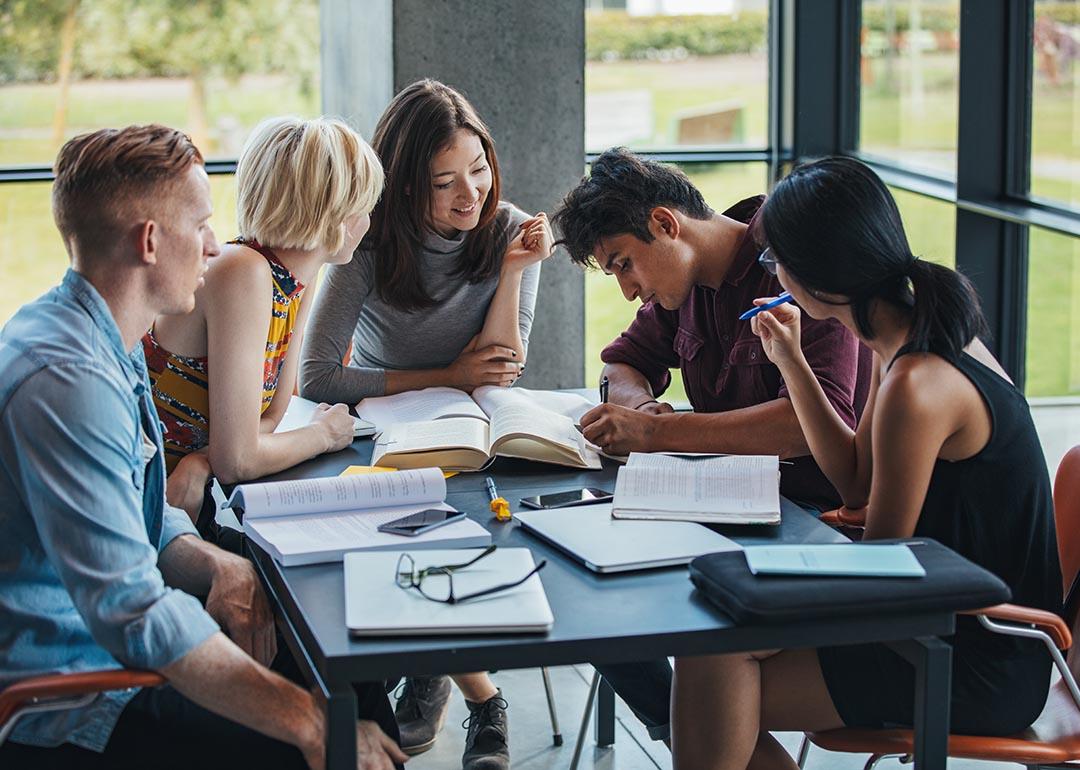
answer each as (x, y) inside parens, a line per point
(584, 496)
(420, 522)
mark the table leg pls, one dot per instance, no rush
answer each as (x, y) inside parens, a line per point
(605, 714)
(341, 716)
(932, 659)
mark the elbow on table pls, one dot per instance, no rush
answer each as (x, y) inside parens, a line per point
(313, 378)
(232, 469)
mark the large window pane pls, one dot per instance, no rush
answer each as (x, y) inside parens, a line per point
(910, 82)
(658, 77)
(930, 226)
(32, 256)
(211, 68)
(1055, 103)
(606, 310)
(1053, 334)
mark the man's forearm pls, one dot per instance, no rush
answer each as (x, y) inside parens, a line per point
(768, 428)
(218, 676)
(188, 563)
(627, 386)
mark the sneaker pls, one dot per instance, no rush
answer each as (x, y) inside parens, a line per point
(420, 711)
(487, 735)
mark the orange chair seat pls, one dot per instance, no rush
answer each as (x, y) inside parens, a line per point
(14, 696)
(854, 518)
(1053, 738)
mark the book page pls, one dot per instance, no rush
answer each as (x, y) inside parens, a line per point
(437, 434)
(418, 406)
(311, 539)
(732, 484)
(299, 414)
(522, 418)
(340, 493)
(572, 405)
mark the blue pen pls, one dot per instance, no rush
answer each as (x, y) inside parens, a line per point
(785, 297)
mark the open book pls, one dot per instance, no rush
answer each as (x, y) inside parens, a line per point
(725, 489)
(455, 431)
(319, 520)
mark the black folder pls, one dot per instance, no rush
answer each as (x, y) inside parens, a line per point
(951, 583)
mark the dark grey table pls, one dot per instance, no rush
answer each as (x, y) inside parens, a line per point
(598, 618)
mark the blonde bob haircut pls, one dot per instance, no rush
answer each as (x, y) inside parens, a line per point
(299, 180)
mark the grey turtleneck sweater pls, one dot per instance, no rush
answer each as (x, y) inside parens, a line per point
(384, 337)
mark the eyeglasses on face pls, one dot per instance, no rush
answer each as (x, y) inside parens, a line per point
(436, 583)
(767, 261)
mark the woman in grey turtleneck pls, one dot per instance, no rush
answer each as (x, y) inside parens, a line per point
(440, 292)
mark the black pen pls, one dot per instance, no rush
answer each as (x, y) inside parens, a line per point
(603, 390)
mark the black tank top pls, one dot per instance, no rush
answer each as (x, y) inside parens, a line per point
(996, 509)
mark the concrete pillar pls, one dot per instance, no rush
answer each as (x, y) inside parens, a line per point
(356, 57)
(522, 65)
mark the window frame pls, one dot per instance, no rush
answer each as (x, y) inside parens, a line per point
(813, 110)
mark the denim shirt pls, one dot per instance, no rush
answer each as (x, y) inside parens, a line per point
(83, 516)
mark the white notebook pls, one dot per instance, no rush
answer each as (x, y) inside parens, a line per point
(376, 606)
(589, 534)
(838, 559)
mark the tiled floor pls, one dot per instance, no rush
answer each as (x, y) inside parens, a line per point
(531, 744)
(530, 730)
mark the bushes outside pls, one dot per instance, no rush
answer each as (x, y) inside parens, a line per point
(614, 35)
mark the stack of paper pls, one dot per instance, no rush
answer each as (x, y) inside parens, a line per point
(725, 489)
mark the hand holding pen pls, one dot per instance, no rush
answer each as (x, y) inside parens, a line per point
(777, 323)
(766, 305)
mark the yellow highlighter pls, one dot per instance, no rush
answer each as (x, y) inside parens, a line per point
(498, 505)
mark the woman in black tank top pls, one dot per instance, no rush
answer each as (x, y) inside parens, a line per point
(954, 456)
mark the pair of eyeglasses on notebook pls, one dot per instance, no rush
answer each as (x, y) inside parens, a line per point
(436, 583)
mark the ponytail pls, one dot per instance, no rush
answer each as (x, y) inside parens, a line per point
(834, 227)
(946, 315)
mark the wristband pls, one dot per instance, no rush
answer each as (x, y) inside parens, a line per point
(643, 403)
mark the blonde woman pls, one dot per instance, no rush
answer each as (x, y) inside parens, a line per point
(223, 374)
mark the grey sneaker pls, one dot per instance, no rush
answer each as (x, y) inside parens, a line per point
(420, 711)
(488, 735)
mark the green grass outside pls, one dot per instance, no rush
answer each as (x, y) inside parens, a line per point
(32, 257)
(26, 110)
(739, 80)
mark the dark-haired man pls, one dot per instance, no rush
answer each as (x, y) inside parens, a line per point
(694, 271)
(98, 571)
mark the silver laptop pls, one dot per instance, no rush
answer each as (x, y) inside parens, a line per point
(603, 544)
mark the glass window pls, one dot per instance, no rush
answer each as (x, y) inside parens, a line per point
(665, 73)
(32, 256)
(607, 312)
(1055, 103)
(930, 226)
(213, 69)
(909, 80)
(1053, 333)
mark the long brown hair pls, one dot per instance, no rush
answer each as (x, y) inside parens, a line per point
(420, 121)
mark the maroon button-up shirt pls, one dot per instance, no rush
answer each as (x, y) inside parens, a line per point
(723, 364)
